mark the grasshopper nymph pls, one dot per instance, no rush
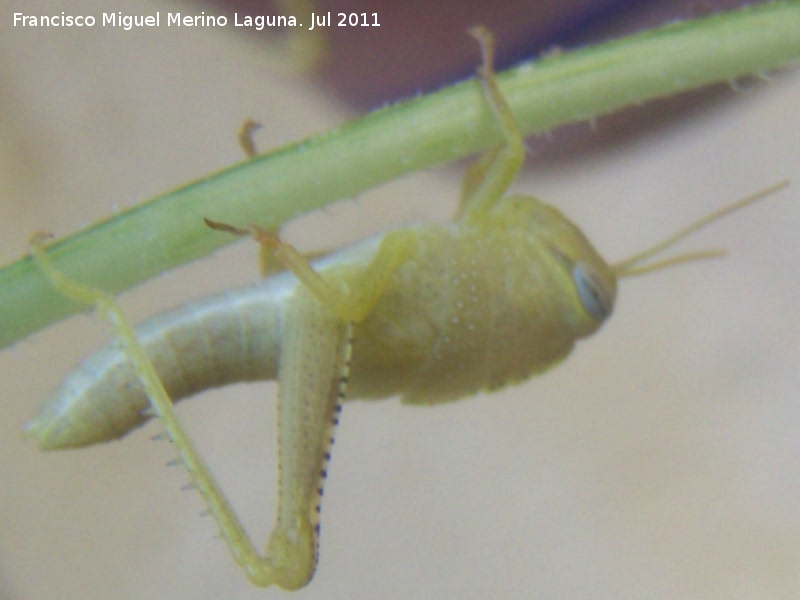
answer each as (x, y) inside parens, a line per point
(430, 313)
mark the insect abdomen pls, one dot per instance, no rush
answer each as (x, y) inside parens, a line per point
(223, 339)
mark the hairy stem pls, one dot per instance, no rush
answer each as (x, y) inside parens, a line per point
(160, 234)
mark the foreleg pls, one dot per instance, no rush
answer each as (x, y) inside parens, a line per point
(488, 179)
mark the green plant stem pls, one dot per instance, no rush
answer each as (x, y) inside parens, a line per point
(168, 230)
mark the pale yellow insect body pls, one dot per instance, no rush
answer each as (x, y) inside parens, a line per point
(431, 313)
(474, 308)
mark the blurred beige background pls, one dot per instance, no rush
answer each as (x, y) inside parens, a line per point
(661, 461)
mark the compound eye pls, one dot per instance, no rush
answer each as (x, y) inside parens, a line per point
(596, 297)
